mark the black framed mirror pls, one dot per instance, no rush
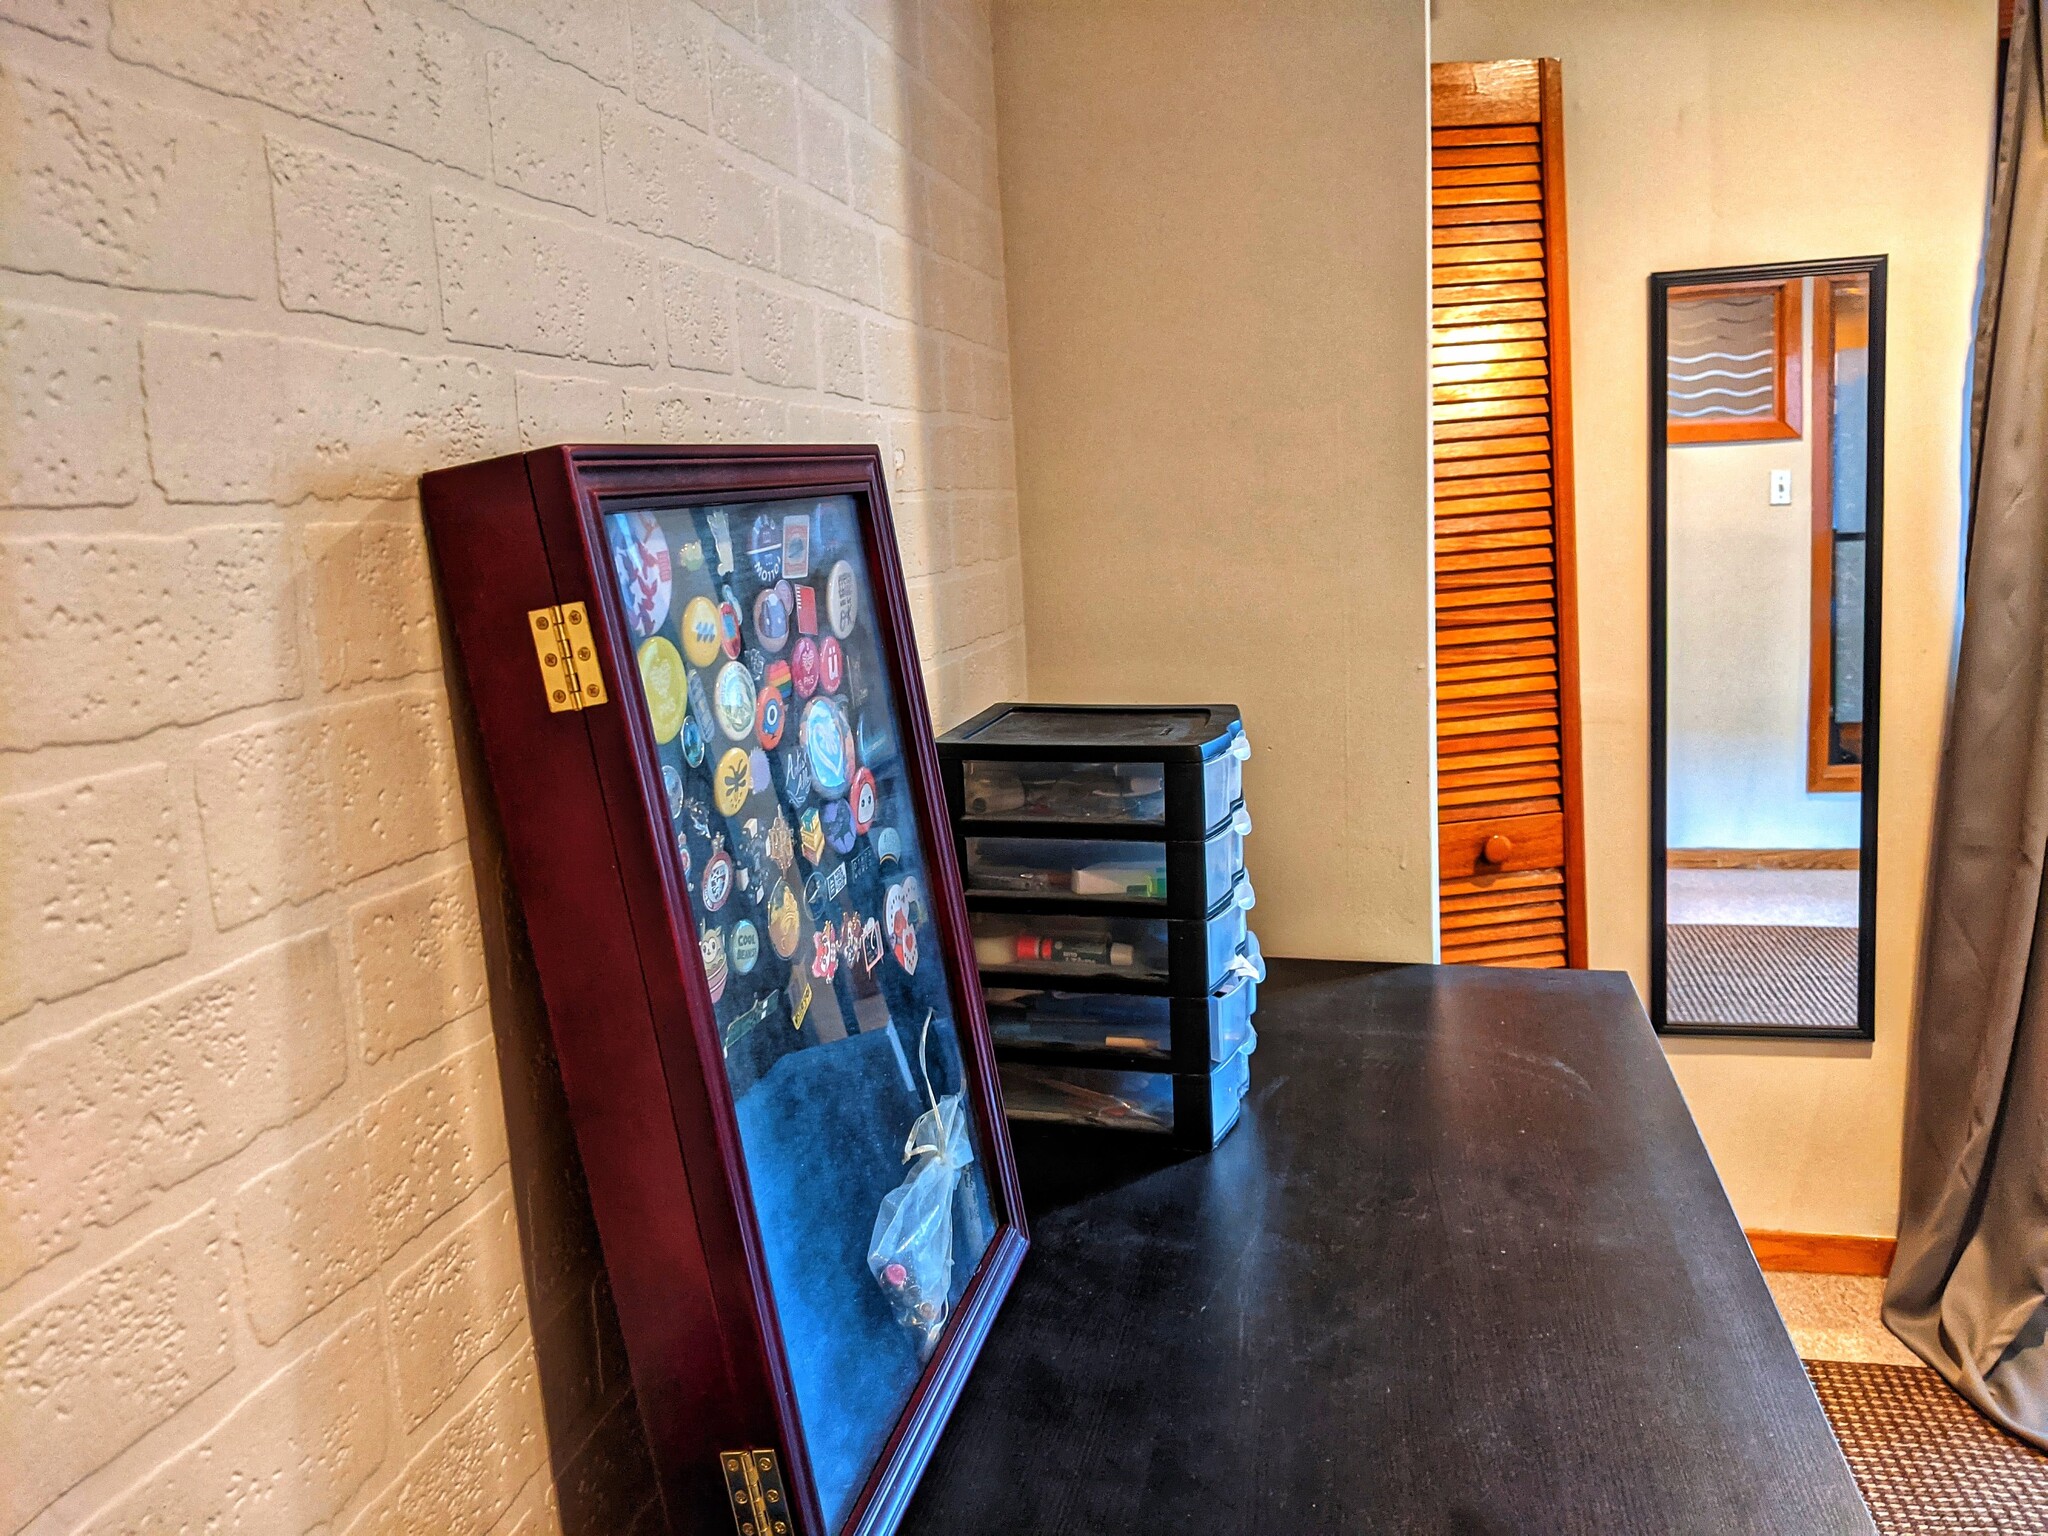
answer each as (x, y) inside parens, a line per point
(1766, 569)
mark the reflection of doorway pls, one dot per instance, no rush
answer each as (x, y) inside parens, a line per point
(1765, 492)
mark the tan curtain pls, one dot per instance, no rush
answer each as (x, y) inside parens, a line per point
(1967, 1289)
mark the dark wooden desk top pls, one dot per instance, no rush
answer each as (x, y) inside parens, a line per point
(1464, 1267)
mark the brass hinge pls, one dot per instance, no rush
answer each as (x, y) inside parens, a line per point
(760, 1504)
(568, 657)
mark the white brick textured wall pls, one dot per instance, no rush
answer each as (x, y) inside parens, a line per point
(292, 1233)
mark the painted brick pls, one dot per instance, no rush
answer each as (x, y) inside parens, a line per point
(372, 599)
(945, 138)
(71, 392)
(117, 191)
(432, 1141)
(108, 1358)
(89, 885)
(673, 414)
(880, 179)
(910, 447)
(590, 34)
(754, 108)
(892, 364)
(923, 536)
(901, 278)
(513, 280)
(144, 630)
(294, 807)
(744, 16)
(671, 60)
(957, 375)
(453, 1305)
(889, 83)
(350, 239)
(566, 410)
(839, 341)
(831, 424)
(288, 1459)
(72, 21)
(315, 1226)
(302, 1234)
(890, 20)
(469, 1473)
(960, 71)
(828, 250)
(93, 1123)
(831, 56)
(985, 240)
(824, 146)
(419, 960)
(312, 419)
(666, 179)
(960, 300)
(922, 598)
(409, 81)
(697, 304)
(543, 130)
(945, 217)
(778, 337)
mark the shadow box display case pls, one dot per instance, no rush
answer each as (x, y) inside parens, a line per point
(705, 728)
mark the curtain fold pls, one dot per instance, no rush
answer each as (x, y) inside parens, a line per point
(1969, 1287)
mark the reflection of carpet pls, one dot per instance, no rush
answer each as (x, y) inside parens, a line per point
(1728, 973)
(1925, 1459)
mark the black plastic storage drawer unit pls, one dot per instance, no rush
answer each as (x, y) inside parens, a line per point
(1102, 850)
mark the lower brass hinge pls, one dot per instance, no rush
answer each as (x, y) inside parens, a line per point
(568, 657)
(760, 1504)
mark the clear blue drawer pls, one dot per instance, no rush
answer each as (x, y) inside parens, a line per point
(1192, 1108)
(1181, 1034)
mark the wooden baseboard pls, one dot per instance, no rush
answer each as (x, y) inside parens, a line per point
(1761, 858)
(1821, 1253)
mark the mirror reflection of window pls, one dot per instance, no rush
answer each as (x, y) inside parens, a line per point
(1765, 514)
(1841, 333)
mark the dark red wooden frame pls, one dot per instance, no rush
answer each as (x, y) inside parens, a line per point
(628, 1004)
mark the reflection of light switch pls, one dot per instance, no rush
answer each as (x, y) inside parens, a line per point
(1781, 487)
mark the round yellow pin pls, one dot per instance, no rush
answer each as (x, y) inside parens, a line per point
(666, 685)
(733, 783)
(699, 625)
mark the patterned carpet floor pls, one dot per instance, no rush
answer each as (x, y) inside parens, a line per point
(1743, 973)
(1925, 1460)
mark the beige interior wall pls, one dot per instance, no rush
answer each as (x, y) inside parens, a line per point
(1216, 216)
(291, 1235)
(1714, 132)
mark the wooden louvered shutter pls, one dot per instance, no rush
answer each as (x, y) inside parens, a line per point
(1509, 818)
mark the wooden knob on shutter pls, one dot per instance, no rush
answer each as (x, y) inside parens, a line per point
(1498, 848)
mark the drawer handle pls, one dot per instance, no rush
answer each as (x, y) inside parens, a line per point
(1241, 822)
(1498, 848)
(1241, 748)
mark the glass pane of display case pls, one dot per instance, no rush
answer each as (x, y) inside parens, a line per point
(797, 842)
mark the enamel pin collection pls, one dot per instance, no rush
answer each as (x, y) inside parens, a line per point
(742, 647)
